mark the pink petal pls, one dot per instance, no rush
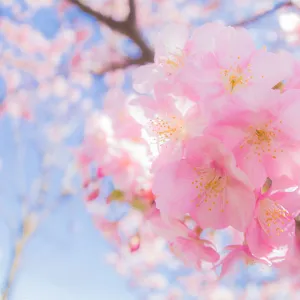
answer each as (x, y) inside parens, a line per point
(169, 152)
(171, 40)
(290, 113)
(282, 183)
(196, 121)
(257, 240)
(228, 262)
(209, 214)
(234, 46)
(207, 253)
(203, 38)
(255, 171)
(148, 105)
(200, 151)
(275, 220)
(145, 77)
(289, 200)
(262, 64)
(239, 210)
(172, 186)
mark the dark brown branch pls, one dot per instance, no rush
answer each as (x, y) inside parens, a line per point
(297, 222)
(128, 28)
(127, 62)
(297, 235)
(132, 12)
(108, 21)
(263, 14)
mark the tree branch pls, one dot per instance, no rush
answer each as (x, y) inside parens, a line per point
(25, 231)
(127, 62)
(297, 236)
(132, 12)
(108, 21)
(264, 14)
(127, 28)
(297, 222)
(28, 226)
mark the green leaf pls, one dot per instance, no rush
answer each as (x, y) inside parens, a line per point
(116, 195)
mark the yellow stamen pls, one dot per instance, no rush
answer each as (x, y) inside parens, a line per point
(262, 140)
(273, 215)
(167, 128)
(210, 185)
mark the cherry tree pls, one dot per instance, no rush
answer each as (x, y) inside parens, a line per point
(75, 84)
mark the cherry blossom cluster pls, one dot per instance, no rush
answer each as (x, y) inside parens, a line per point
(221, 118)
(51, 76)
(113, 147)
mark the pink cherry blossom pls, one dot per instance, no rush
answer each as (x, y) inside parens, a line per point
(291, 263)
(187, 160)
(109, 229)
(232, 69)
(239, 253)
(273, 225)
(264, 137)
(293, 81)
(117, 108)
(171, 48)
(127, 163)
(134, 243)
(193, 251)
(183, 242)
(169, 121)
(206, 184)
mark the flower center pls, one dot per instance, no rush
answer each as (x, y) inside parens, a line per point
(262, 140)
(264, 136)
(273, 217)
(235, 77)
(235, 80)
(210, 185)
(173, 61)
(215, 185)
(167, 128)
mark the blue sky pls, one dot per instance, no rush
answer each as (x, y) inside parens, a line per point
(65, 258)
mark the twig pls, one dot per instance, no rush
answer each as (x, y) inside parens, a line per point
(132, 12)
(127, 62)
(297, 235)
(264, 14)
(26, 230)
(297, 222)
(108, 21)
(128, 28)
